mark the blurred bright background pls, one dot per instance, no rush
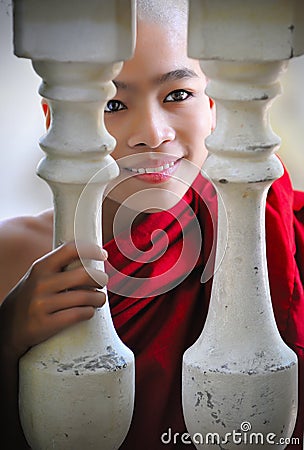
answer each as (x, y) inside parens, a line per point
(22, 124)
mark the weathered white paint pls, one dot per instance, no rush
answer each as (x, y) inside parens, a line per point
(239, 370)
(77, 388)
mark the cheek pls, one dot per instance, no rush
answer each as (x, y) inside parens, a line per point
(199, 123)
(112, 126)
(116, 132)
(199, 128)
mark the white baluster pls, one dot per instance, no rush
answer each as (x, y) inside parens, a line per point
(77, 388)
(240, 370)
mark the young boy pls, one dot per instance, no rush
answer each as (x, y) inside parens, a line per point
(160, 117)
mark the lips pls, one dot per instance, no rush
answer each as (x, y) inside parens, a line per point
(159, 174)
(161, 168)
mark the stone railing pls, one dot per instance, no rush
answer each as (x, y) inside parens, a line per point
(239, 363)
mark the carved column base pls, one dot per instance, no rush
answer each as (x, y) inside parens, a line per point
(239, 378)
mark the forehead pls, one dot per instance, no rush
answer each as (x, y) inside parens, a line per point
(159, 50)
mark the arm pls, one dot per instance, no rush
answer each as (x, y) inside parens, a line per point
(39, 306)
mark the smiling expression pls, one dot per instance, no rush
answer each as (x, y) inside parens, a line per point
(160, 116)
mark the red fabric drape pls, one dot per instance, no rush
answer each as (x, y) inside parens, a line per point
(163, 315)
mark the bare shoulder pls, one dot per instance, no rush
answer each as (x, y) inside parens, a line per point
(22, 241)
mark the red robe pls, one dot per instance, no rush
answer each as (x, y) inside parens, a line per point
(162, 316)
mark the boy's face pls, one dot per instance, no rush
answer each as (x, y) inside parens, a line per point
(159, 117)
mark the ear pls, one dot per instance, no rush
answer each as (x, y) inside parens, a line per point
(47, 113)
(213, 115)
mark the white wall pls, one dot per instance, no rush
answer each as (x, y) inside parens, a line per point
(22, 124)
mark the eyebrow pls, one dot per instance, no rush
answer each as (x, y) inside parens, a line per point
(173, 75)
(178, 74)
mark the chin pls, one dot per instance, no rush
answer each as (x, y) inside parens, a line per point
(141, 194)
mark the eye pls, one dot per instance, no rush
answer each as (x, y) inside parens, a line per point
(179, 95)
(114, 106)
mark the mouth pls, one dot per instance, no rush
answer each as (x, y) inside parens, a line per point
(161, 168)
(159, 174)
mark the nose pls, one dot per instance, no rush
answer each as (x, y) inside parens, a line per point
(150, 128)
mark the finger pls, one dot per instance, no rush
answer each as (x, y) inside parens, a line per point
(67, 253)
(74, 299)
(60, 320)
(72, 279)
(67, 317)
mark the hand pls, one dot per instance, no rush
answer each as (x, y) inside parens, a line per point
(48, 299)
